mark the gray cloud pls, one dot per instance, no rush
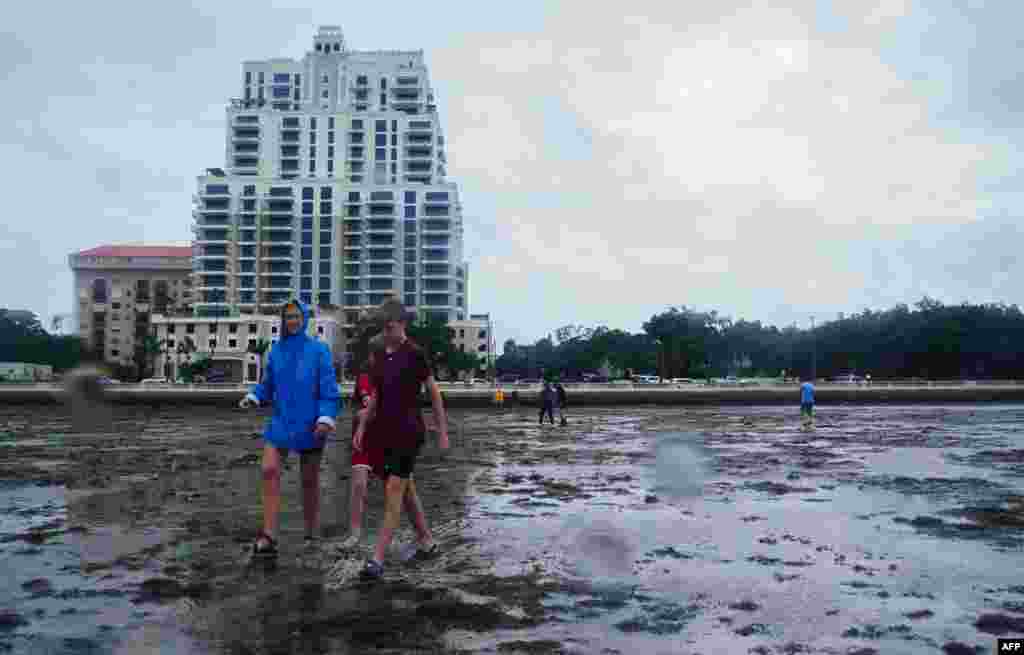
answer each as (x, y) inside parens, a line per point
(770, 163)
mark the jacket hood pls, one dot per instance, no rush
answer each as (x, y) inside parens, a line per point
(305, 319)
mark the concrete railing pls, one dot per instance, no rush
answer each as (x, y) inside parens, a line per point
(228, 394)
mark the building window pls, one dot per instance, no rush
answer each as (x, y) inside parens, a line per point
(380, 154)
(325, 252)
(410, 300)
(381, 126)
(213, 344)
(410, 197)
(190, 328)
(306, 283)
(232, 343)
(324, 299)
(252, 345)
(320, 329)
(307, 193)
(252, 328)
(306, 253)
(273, 329)
(326, 208)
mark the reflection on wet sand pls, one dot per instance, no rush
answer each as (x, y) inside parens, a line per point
(882, 529)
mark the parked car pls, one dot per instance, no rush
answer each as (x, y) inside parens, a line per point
(646, 379)
(847, 379)
(154, 381)
(529, 381)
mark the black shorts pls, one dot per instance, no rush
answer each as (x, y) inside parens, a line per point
(283, 452)
(399, 462)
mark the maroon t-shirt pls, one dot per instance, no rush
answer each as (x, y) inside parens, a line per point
(398, 378)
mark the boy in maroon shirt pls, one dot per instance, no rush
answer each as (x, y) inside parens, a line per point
(398, 429)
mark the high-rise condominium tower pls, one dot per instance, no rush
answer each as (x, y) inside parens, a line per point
(334, 189)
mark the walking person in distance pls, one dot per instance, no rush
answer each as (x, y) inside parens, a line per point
(548, 397)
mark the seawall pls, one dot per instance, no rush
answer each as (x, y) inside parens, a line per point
(229, 395)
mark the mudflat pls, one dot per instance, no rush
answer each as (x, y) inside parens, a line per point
(880, 529)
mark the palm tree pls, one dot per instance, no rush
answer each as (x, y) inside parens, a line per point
(186, 348)
(167, 358)
(151, 348)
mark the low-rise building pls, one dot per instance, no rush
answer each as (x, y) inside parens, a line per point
(232, 343)
(476, 336)
(23, 372)
(116, 290)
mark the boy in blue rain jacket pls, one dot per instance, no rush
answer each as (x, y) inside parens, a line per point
(299, 381)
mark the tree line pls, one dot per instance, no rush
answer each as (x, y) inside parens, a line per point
(929, 340)
(24, 339)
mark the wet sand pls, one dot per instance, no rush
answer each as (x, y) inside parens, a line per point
(895, 529)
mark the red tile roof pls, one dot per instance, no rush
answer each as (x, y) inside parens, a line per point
(137, 251)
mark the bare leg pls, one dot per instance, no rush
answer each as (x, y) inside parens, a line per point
(394, 489)
(413, 507)
(271, 488)
(310, 465)
(357, 499)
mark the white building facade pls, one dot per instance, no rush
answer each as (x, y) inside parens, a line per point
(475, 335)
(334, 190)
(230, 343)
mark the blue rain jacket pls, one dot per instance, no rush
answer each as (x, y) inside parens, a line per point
(299, 381)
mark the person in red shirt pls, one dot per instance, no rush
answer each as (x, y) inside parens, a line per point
(399, 430)
(368, 458)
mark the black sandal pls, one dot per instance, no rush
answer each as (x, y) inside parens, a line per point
(269, 550)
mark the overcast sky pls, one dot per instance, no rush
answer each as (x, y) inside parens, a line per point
(772, 164)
